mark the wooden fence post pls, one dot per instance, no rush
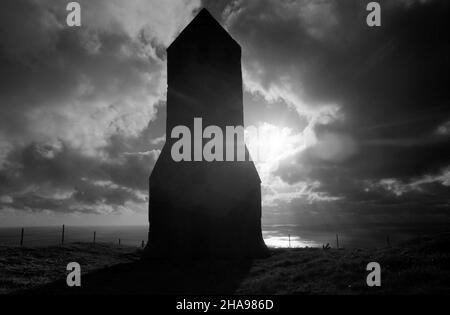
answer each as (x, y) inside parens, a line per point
(21, 238)
(143, 243)
(119, 241)
(62, 236)
(337, 241)
(94, 237)
(289, 236)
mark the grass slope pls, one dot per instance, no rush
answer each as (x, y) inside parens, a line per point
(420, 266)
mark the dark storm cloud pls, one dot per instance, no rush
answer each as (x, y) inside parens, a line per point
(390, 84)
(45, 64)
(86, 84)
(75, 104)
(57, 177)
(78, 105)
(327, 49)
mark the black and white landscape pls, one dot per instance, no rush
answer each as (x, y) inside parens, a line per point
(352, 150)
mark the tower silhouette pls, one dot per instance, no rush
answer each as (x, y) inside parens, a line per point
(199, 208)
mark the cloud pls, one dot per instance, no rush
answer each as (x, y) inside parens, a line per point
(84, 85)
(374, 99)
(6, 199)
(77, 104)
(158, 140)
(60, 178)
(444, 129)
(277, 38)
(362, 133)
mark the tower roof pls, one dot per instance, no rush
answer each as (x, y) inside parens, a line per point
(203, 26)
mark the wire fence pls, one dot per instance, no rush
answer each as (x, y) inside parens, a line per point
(49, 236)
(137, 236)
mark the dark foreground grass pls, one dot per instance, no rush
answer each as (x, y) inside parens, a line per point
(420, 266)
(25, 268)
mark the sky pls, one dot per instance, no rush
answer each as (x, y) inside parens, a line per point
(356, 119)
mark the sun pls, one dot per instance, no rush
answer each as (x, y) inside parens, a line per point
(269, 144)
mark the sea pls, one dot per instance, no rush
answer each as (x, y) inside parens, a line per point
(278, 235)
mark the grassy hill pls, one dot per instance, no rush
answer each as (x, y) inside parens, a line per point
(419, 266)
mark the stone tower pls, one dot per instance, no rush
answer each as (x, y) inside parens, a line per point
(199, 208)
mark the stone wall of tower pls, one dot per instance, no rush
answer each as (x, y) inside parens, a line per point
(204, 209)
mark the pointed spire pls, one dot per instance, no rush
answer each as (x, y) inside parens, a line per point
(203, 25)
